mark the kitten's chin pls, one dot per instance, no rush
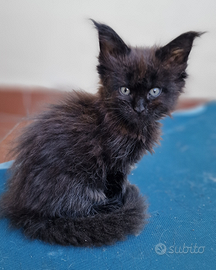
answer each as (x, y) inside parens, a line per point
(142, 116)
(139, 122)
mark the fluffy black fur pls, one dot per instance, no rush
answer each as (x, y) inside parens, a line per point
(69, 180)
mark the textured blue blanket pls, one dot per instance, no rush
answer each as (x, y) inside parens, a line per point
(179, 181)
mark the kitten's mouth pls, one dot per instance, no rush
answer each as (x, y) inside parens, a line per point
(142, 113)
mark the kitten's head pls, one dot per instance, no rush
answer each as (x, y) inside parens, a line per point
(142, 83)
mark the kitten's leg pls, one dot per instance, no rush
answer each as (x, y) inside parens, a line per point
(112, 197)
(116, 184)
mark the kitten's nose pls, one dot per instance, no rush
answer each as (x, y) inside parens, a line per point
(139, 106)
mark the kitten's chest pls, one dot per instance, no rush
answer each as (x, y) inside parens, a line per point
(123, 149)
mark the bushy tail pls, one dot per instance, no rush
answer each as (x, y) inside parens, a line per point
(98, 230)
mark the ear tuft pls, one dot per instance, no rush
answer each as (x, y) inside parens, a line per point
(110, 42)
(178, 50)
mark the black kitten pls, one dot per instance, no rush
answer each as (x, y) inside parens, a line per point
(69, 180)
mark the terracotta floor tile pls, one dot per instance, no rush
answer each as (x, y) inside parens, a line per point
(6, 143)
(16, 106)
(7, 122)
(185, 104)
(11, 102)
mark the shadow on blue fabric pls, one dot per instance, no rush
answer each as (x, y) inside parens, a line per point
(179, 181)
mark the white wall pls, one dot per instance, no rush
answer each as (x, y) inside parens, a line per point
(52, 43)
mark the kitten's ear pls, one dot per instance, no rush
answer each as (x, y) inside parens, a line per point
(177, 51)
(110, 42)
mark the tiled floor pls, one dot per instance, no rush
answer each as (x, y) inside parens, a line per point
(18, 104)
(16, 107)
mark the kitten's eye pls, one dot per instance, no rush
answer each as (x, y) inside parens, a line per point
(125, 91)
(154, 92)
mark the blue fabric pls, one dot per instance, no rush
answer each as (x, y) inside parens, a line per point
(179, 181)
